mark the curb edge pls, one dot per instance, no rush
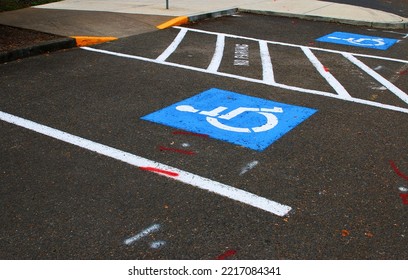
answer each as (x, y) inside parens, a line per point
(49, 46)
(381, 25)
(194, 18)
(228, 12)
(82, 41)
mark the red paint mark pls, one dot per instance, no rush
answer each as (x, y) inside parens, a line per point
(227, 254)
(404, 197)
(161, 171)
(403, 72)
(397, 171)
(326, 69)
(180, 132)
(186, 152)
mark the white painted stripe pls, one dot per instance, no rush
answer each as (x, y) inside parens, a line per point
(183, 176)
(267, 69)
(334, 83)
(403, 189)
(293, 88)
(157, 244)
(370, 56)
(378, 105)
(206, 71)
(143, 233)
(248, 167)
(378, 77)
(292, 45)
(218, 54)
(399, 33)
(173, 46)
(124, 55)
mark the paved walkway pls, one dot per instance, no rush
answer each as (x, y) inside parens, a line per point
(121, 18)
(188, 8)
(83, 19)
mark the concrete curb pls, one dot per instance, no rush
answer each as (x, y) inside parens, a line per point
(68, 42)
(194, 18)
(215, 14)
(232, 11)
(82, 41)
(49, 46)
(381, 25)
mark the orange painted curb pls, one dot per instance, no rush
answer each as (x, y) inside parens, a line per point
(82, 41)
(173, 22)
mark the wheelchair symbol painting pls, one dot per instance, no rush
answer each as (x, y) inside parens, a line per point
(243, 120)
(358, 40)
(364, 42)
(212, 117)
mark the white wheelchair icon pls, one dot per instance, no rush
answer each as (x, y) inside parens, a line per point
(367, 42)
(214, 115)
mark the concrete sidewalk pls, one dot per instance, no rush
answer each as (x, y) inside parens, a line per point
(190, 8)
(83, 19)
(300, 8)
(121, 18)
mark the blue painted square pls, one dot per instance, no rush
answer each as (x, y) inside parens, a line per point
(248, 121)
(358, 40)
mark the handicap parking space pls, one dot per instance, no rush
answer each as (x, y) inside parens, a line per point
(132, 181)
(358, 40)
(253, 123)
(64, 202)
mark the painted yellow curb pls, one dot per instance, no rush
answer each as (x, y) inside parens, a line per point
(175, 21)
(82, 41)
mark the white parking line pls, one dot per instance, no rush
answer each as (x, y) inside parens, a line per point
(402, 95)
(153, 166)
(334, 83)
(172, 47)
(233, 76)
(243, 78)
(218, 54)
(290, 45)
(267, 69)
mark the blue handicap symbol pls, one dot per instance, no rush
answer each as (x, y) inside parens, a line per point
(358, 40)
(243, 120)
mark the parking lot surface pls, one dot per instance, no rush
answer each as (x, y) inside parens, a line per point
(241, 134)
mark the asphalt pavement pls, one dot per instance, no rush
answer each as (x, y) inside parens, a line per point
(90, 187)
(398, 7)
